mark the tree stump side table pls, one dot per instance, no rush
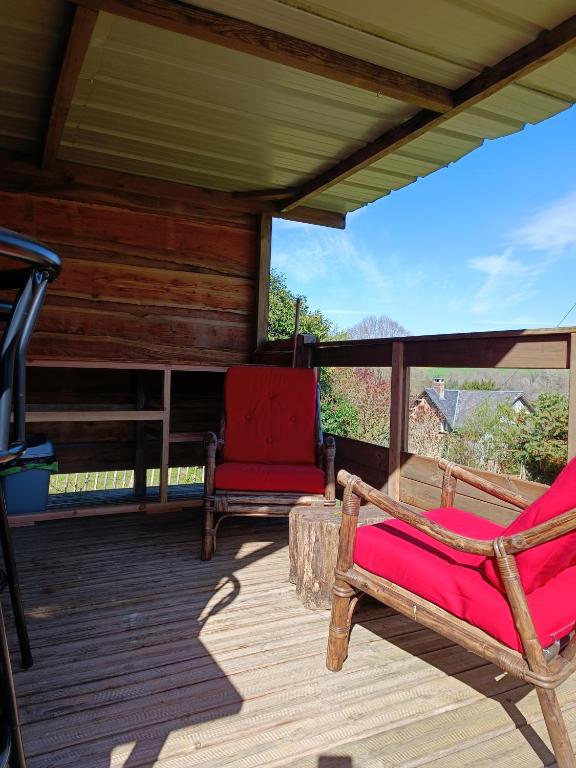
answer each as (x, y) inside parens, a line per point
(313, 546)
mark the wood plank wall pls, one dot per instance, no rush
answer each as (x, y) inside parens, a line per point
(141, 288)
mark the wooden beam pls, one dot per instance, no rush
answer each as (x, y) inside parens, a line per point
(139, 438)
(263, 287)
(280, 48)
(86, 183)
(165, 458)
(547, 46)
(398, 413)
(534, 348)
(78, 42)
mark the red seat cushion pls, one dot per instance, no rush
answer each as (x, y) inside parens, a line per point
(270, 415)
(289, 478)
(455, 580)
(540, 564)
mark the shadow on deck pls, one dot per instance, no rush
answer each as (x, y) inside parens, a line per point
(147, 657)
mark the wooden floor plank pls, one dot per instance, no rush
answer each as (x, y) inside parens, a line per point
(147, 657)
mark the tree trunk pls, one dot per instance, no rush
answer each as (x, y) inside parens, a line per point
(314, 535)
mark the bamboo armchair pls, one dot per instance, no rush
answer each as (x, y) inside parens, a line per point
(270, 455)
(527, 604)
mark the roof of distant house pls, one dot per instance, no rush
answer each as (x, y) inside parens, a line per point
(457, 405)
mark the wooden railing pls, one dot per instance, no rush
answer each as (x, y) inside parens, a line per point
(393, 467)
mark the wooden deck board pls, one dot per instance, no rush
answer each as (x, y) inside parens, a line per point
(147, 657)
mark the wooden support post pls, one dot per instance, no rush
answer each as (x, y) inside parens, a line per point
(78, 42)
(165, 460)
(398, 418)
(139, 437)
(263, 287)
(572, 399)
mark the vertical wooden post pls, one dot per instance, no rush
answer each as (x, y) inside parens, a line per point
(139, 436)
(263, 277)
(165, 460)
(572, 399)
(398, 418)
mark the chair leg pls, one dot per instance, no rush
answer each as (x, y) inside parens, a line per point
(339, 632)
(208, 534)
(556, 728)
(8, 704)
(14, 586)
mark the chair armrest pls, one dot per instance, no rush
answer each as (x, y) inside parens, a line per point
(458, 472)
(540, 534)
(415, 519)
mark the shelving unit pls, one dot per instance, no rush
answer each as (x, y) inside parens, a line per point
(160, 500)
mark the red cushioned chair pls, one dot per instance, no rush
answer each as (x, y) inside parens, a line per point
(270, 456)
(505, 593)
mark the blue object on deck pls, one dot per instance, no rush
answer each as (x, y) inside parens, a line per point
(26, 481)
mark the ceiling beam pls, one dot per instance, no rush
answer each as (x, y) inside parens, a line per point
(78, 42)
(275, 46)
(85, 183)
(547, 46)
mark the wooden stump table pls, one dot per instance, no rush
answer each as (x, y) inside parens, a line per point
(314, 548)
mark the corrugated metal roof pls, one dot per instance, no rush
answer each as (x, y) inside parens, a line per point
(32, 34)
(159, 104)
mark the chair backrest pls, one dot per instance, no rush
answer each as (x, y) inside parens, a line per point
(540, 564)
(270, 415)
(38, 266)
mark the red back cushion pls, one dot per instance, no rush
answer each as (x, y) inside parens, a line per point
(270, 415)
(541, 563)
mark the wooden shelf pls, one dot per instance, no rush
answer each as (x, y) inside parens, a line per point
(162, 502)
(33, 417)
(118, 366)
(149, 507)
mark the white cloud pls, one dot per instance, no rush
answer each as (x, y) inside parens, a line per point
(508, 281)
(312, 253)
(551, 229)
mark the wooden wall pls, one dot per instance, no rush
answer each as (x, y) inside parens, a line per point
(141, 288)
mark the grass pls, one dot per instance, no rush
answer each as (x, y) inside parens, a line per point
(117, 479)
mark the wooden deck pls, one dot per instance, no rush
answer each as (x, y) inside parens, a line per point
(147, 657)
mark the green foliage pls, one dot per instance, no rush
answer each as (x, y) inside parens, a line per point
(281, 311)
(543, 437)
(339, 415)
(488, 440)
(483, 384)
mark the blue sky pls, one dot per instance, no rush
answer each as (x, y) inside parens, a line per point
(487, 243)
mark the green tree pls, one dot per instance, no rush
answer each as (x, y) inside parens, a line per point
(544, 437)
(339, 415)
(487, 440)
(281, 308)
(484, 384)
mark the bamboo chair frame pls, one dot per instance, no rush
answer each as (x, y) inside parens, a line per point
(544, 668)
(221, 505)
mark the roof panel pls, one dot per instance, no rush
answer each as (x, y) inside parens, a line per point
(31, 39)
(155, 103)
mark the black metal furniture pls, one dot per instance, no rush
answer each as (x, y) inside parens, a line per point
(35, 266)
